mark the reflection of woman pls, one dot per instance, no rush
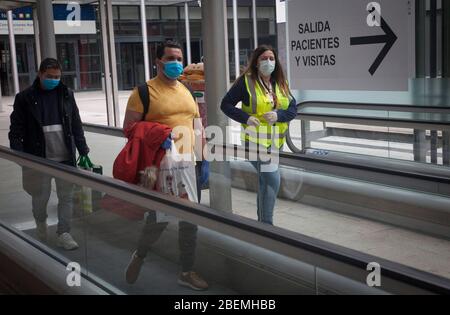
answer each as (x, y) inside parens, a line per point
(267, 108)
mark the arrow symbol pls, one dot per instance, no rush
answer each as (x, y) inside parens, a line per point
(388, 39)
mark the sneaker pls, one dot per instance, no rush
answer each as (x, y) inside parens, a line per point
(66, 241)
(192, 280)
(134, 268)
(41, 230)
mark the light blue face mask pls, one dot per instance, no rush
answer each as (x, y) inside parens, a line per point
(267, 67)
(50, 84)
(173, 69)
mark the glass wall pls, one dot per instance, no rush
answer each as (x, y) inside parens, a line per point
(428, 88)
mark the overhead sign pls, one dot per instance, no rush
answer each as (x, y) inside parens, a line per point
(350, 44)
(68, 19)
(281, 11)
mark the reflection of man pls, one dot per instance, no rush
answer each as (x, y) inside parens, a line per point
(46, 123)
(171, 104)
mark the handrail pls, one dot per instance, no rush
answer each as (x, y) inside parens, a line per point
(388, 107)
(334, 258)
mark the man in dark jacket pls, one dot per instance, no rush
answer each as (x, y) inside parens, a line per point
(46, 123)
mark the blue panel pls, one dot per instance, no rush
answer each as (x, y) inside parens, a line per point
(20, 14)
(60, 13)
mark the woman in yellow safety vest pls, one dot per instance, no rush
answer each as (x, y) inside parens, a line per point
(267, 109)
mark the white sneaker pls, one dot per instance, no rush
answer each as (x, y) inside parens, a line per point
(66, 241)
(41, 230)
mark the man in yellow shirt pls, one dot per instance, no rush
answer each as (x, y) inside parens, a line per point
(171, 104)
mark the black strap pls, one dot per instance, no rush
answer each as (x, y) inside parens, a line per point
(145, 97)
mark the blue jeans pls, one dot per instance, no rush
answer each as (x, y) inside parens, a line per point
(268, 188)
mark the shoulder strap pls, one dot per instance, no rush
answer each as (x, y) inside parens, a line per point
(145, 98)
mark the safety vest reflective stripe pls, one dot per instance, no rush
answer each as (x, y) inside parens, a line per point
(261, 134)
(253, 97)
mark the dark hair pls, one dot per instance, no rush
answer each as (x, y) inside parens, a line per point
(162, 47)
(278, 74)
(49, 63)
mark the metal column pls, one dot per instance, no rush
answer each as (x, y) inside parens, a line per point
(12, 50)
(433, 71)
(145, 41)
(46, 28)
(217, 80)
(113, 62)
(236, 40)
(1, 102)
(188, 33)
(107, 64)
(446, 148)
(37, 43)
(255, 24)
(419, 144)
(446, 72)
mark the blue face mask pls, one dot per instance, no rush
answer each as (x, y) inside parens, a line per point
(50, 84)
(173, 69)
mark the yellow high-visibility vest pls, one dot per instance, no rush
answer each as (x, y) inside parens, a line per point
(261, 104)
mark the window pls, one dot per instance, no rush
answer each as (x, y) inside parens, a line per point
(115, 10)
(242, 12)
(152, 13)
(129, 13)
(195, 13)
(265, 13)
(169, 13)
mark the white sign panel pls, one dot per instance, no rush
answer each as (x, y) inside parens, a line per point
(61, 27)
(24, 27)
(83, 27)
(350, 44)
(281, 11)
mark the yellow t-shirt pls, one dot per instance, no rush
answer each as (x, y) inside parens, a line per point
(173, 106)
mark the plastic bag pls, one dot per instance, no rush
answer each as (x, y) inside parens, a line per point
(177, 176)
(86, 200)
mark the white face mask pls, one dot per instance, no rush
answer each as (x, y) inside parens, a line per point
(267, 67)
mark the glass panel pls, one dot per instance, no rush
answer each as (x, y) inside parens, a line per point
(66, 56)
(265, 13)
(169, 13)
(152, 13)
(110, 231)
(195, 13)
(129, 13)
(115, 12)
(242, 12)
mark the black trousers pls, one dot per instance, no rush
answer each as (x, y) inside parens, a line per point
(187, 234)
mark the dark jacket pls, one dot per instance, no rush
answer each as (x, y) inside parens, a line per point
(26, 133)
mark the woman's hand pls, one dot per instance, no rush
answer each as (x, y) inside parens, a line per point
(253, 122)
(271, 117)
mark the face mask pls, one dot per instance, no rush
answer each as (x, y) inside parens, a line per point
(173, 69)
(267, 67)
(50, 84)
